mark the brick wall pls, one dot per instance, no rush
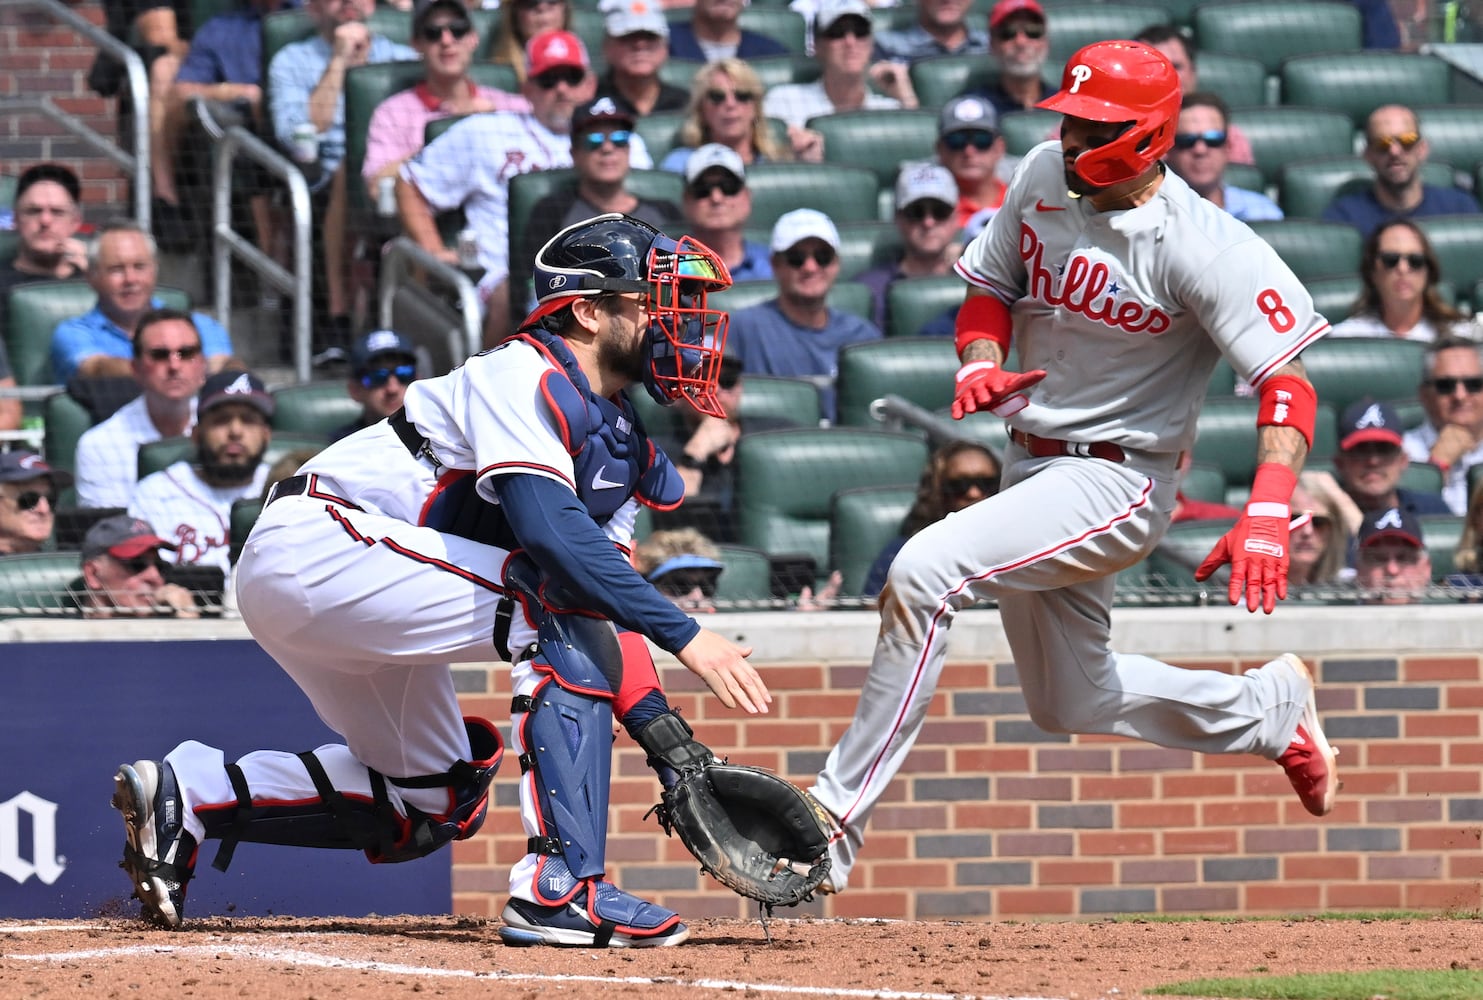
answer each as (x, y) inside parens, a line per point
(44, 58)
(993, 818)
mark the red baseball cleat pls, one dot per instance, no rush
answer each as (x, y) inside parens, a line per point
(1309, 760)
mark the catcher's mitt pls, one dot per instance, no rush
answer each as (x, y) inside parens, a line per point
(755, 833)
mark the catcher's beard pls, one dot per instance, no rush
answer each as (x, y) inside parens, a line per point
(622, 352)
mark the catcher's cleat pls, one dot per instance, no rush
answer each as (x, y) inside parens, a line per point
(159, 855)
(600, 915)
(1309, 761)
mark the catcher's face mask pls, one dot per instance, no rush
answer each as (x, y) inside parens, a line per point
(686, 339)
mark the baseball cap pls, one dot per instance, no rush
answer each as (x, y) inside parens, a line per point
(629, 17)
(122, 537)
(801, 224)
(19, 466)
(925, 180)
(375, 344)
(962, 113)
(422, 8)
(1390, 522)
(832, 10)
(604, 109)
(551, 49)
(1368, 420)
(713, 154)
(235, 387)
(686, 560)
(1005, 8)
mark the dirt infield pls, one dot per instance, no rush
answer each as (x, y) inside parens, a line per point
(453, 957)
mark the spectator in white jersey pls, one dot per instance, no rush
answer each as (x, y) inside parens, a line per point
(1201, 152)
(190, 502)
(382, 364)
(170, 368)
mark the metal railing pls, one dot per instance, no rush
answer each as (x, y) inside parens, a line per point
(398, 259)
(137, 91)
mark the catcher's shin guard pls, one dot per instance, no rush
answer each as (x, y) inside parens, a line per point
(565, 740)
(361, 822)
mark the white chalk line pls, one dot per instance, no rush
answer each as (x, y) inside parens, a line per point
(43, 928)
(315, 960)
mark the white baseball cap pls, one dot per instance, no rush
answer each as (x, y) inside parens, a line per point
(832, 10)
(925, 180)
(629, 17)
(801, 224)
(713, 154)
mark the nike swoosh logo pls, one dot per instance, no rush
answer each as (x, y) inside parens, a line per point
(1041, 206)
(599, 483)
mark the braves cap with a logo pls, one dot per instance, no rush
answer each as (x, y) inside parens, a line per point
(1368, 420)
(1390, 522)
(555, 49)
(122, 537)
(634, 17)
(379, 344)
(711, 156)
(921, 181)
(1005, 9)
(964, 113)
(235, 387)
(801, 224)
(603, 111)
(19, 466)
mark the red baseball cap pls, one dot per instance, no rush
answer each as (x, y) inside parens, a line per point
(1004, 8)
(552, 49)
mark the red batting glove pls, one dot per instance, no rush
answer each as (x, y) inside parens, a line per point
(983, 385)
(1257, 545)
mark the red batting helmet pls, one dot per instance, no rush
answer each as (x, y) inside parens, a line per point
(1120, 82)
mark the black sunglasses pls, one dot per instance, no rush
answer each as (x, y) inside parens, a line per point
(159, 355)
(717, 96)
(961, 486)
(619, 137)
(855, 26)
(569, 75)
(979, 138)
(378, 377)
(536, 4)
(823, 256)
(1214, 138)
(682, 582)
(1390, 261)
(141, 563)
(1446, 386)
(918, 210)
(728, 185)
(29, 499)
(434, 32)
(1007, 32)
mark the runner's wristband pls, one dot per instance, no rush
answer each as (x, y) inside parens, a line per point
(983, 317)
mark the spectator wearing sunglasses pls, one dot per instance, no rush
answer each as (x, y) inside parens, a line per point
(1451, 438)
(1371, 460)
(123, 574)
(1322, 532)
(970, 146)
(941, 29)
(799, 334)
(1181, 54)
(726, 108)
(445, 36)
(683, 565)
(170, 368)
(1400, 273)
(1019, 40)
(842, 47)
(635, 44)
(28, 501)
(717, 204)
(1201, 152)
(713, 32)
(382, 364)
(926, 218)
(956, 475)
(602, 133)
(1396, 150)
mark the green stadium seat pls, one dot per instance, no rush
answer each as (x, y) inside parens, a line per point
(36, 583)
(66, 420)
(1458, 242)
(1335, 297)
(1454, 134)
(1226, 439)
(1312, 248)
(1345, 370)
(239, 525)
(844, 193)
(780, 398)
(913, 302)
(776, 70)
(365, 88)
(780, 24)
(313, 408)
(1423, 477)
(1222, 379)
(1409, 410)
(1183, 547)
(747, 576)
(878, 140)
(587, 24)
(786, 481)
(853, 298)
(743, 295)
(1075, 25)
(1280, 136)
(938, 79)
(660, 131)
(282, 27)
(1024, 130)
(157, 455)
(1357, 83)
(863, 245)
(897, 18)
(1305, 188)
(1240, 81)
(862, 521)
(1442, 533)
(1274, 30)
(35, 310)
(1204, 482)
(919, 369)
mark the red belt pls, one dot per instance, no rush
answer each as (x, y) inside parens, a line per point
(1040, 447)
